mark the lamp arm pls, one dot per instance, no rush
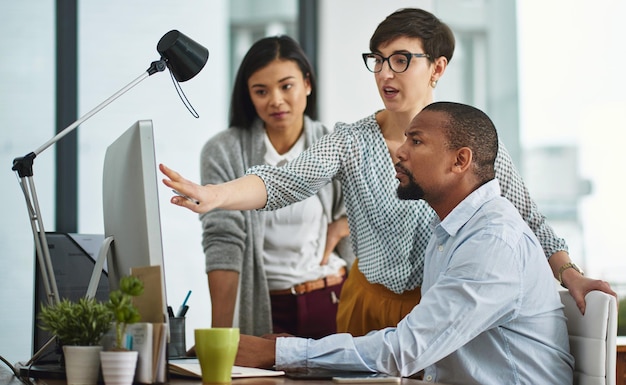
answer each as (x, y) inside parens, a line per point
(24, 168)
(89, 114)
(24, 165)
(155, 66)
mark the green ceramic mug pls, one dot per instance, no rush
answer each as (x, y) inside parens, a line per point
(216, 349)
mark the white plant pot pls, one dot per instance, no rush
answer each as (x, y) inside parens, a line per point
(118, 367)
(82, 364)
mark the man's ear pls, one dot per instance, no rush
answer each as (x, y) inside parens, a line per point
(463, 159)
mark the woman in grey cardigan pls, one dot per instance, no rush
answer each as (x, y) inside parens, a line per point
(281, 271)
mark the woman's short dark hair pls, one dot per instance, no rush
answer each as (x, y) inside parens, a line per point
(263, 52)
(437, 38)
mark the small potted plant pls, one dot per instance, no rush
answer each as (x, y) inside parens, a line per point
(122, 307)
(79, 326)
(118, 364)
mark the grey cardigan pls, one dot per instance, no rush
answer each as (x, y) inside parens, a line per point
(233, 240)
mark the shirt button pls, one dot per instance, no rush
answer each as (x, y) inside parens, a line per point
(440, 247)
(429, 378)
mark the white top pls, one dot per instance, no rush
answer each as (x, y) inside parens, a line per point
(295, 236)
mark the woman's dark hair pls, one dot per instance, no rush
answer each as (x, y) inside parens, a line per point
(437, 38)
(263, 52)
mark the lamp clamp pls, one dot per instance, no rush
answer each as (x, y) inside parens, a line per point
(24, 165)
(157, 66)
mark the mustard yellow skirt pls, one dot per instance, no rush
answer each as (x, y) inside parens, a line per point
(365, 306)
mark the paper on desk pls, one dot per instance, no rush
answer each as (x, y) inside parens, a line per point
(149, 341)
(190, 367)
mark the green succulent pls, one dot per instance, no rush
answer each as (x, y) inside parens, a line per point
(81, 323)
(121, 305)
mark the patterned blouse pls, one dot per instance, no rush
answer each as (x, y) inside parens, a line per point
(389, 235)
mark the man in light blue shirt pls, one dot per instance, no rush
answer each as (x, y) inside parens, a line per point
(490, 312)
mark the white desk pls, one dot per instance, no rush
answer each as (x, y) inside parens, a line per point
(7, 378)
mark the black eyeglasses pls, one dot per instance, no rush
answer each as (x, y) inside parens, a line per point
(398, 62)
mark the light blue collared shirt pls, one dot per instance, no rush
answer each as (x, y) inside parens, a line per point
(490, 311)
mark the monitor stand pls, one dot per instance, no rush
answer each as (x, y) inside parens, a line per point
(49, 371)
(53, 371)
(73, 257)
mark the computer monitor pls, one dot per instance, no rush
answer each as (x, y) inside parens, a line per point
(131, 220)
(131, 205)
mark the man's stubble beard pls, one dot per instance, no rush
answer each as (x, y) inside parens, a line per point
(411, 191)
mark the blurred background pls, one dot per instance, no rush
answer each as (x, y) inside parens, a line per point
(550, 75)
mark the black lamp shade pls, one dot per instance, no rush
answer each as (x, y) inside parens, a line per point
(185, 58)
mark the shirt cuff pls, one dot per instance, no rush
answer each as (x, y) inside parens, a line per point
(291, 353)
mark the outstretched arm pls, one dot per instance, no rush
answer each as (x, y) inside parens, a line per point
(245, 193)
(577, 284)
(514, 189)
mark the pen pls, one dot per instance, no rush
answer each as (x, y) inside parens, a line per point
(186, 197)
(170, 312)
(182, 310)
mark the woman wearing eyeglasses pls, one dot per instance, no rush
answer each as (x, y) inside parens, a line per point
(410, 51)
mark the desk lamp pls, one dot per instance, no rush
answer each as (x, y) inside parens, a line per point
(184, 58)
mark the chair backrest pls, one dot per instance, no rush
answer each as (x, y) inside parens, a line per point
(592, 338)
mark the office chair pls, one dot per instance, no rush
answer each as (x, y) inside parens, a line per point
(592, 338)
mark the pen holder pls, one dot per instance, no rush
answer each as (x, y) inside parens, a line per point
(177, 346)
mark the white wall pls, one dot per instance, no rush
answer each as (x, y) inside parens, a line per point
(26, 121)
(117, 43)
(572, 86)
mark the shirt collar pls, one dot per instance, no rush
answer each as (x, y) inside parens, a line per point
(467, 208)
